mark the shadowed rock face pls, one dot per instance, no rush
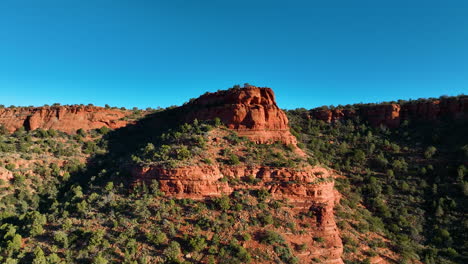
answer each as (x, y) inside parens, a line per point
(392, 115)
(63, 118)
(252, 112)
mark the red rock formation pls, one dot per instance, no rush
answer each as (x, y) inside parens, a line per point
(251, 111)
(310, 188)
(391, 115)
(196, 182)
(204, 181)
(64, 118)
(384, 114)
(328, 115)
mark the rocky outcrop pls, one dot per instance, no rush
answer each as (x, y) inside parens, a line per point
(63, 118)
(431, 110)
(251, 111)
(392, 115)
(194, 182)
(309, 189)
(200, 181)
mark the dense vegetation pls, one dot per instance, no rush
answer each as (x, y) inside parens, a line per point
(411, 180)
(68, 198)
(55, 209)
(199, 143)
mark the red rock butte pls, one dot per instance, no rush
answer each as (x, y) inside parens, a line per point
(251, 111)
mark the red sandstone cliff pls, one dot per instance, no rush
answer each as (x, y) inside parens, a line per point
(251, 111)
(392, 115)
(64, 118)
(308, 189)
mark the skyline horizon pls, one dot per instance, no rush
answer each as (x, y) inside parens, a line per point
(128, 107)
(162, 53)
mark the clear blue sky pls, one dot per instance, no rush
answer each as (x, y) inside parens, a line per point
(161, 53)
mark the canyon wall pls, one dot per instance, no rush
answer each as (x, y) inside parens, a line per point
(392, 115)
(64, 118)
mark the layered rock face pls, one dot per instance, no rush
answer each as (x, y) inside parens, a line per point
(204, 181)
(64, 118)
(308, 189)
(251, 111)
(391, 115)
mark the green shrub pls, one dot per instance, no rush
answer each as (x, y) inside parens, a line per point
(271, 237)
(319, 239)
(157, 237)
(197, 243)
(262, 194)
(429, 152)
(233, 159)
(10, 166)
(173, 252)
(246, 237)
(223, 202)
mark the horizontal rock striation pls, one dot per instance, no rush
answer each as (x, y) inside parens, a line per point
(63, 118)
(392, 115)
(309, 189)
(251, 111)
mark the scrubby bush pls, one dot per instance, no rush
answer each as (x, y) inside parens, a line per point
(271, 237)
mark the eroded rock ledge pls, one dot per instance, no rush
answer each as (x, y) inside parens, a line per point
(251, 111)
(63, 118)
(308, 189)
(392, 115)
